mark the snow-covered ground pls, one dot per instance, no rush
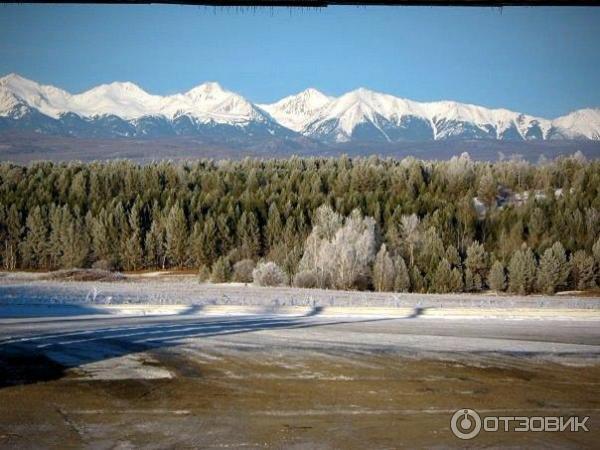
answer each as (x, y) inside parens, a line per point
(162, 361)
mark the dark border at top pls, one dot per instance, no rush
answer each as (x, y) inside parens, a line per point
(325, 3)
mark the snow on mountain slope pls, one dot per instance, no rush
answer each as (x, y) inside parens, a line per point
(49, 100)
(297, 111)
(125, 109)
(580, 124)
(391, 118)
(207, 102)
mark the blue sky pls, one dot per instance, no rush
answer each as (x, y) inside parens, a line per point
(542, 61)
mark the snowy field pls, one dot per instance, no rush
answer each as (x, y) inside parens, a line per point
(162, 361)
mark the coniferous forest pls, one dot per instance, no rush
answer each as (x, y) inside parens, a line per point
(370, 223)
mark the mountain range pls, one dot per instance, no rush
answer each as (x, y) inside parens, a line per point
(123, 109)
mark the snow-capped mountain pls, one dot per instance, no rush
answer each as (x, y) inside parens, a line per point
(368, 115)
(297, 111)
(125, 109)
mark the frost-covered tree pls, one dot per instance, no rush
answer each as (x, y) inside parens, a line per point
(522, 271)
(269, 274)
(497, 277)
(242, 271)
(488, 189)
(383, 271)
(411, 234)
(339, 251)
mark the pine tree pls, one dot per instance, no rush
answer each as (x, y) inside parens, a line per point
(443, 281)
(176, 234)
(75, 241)
(564, 266)
(596, 251)
(522, 271)
(102, 232)
(203, 244)
(383, 271)
(34, 248)
(221, 271)
(497, 277)
(417, 281)
(155, 245)
(55, 240)
(548, 275)
(477, 263)
(249, 236)
(582, 271)
(133, 252)
(402, 278)
(274, 226)
(12, 239)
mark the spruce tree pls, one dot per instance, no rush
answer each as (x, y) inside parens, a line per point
(249, 236)
(497, 277)
(548, 275)
(442, 281)
(582, 271)
(274, 226)
(34, 249)
(75, 241)
(176, 236)
(221, 271)
(12, 239)
(522, 271)
(133, 252)
(477, 263)
(402, 278)
(155, 245)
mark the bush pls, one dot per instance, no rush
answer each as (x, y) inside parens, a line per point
(85, 275)
(203, 274)
(269, 274)
(306, 279)
(242, 271)
(103, 264)
(221, 271)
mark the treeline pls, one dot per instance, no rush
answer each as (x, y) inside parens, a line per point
(404, 225)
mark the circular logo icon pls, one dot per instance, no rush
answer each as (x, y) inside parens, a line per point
(465, 424)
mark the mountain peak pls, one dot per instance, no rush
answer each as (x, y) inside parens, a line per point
(296, 111)
(207, 88)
